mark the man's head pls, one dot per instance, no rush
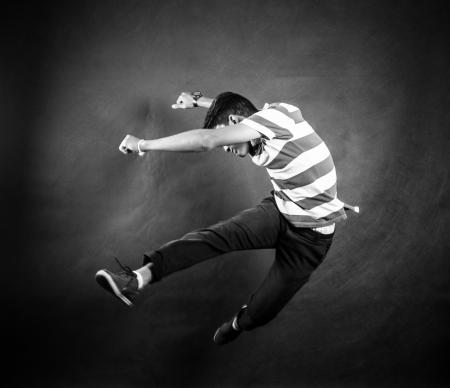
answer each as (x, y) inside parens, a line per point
(227, 109)
(225, 105)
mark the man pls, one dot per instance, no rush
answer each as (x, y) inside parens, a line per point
(297, 220)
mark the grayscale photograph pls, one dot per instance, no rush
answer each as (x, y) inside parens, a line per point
(225, 194)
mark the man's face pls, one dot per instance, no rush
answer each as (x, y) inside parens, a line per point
(239, 149)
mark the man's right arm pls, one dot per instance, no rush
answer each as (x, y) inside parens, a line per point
(195, 140)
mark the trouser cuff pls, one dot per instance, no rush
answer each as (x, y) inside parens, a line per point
(156, 259)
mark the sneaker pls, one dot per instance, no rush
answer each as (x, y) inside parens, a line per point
(226, 333)
(123, 285)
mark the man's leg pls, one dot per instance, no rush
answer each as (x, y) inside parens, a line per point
(299, 253)
(255, 228)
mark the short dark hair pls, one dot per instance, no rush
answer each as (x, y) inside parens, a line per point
(225, 104)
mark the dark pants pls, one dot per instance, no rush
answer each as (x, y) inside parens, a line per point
(298, 252)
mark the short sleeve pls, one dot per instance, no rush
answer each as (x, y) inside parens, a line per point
(272, 122)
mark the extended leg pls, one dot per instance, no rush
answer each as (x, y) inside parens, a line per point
(255, 228)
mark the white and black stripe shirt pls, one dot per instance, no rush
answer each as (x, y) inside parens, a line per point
(300, 166)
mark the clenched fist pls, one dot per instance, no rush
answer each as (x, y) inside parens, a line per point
(131, 144)
(184, 101)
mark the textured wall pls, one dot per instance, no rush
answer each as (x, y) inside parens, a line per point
(371, 77)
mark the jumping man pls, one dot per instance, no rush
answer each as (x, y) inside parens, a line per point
(297, 219)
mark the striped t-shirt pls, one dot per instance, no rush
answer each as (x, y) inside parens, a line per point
(299, 164)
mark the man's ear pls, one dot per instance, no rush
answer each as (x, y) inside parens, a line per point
(234, 119)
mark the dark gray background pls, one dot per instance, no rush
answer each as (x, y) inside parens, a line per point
(372, 79)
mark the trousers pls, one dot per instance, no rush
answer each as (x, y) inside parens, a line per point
(298, 252)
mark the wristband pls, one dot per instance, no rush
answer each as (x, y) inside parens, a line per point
(196, 95)
(141, 153)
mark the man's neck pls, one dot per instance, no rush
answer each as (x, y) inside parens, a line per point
(255, 147)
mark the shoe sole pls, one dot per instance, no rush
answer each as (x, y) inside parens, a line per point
(219, 342)
(107, 282)
(215, 335)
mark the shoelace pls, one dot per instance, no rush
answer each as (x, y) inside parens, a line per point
(129, 272)
(125, 268)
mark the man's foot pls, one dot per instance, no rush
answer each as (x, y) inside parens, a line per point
(123, 285)
(226, 333)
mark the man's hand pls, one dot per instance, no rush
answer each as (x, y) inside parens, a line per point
(184, 101)
(130, 144)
